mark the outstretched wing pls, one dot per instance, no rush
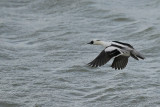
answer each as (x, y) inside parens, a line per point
(120, 62)
(104, 56)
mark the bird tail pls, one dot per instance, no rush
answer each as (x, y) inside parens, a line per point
(135, 54)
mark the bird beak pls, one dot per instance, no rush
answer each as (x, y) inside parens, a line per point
(89, 43)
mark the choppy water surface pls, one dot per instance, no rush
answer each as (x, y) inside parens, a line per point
(43, 53)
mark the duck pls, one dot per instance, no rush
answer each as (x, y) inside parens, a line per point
(119, 51)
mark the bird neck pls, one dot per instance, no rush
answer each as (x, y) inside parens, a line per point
(103, 43)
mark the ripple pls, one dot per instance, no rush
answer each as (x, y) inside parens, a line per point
(78, 68)
(123, 19)
(143, 31)
(9, 104)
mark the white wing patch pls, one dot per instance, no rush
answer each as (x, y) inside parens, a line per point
(112, 48)
(109, 49)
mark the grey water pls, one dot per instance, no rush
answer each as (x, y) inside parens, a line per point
(44, 52)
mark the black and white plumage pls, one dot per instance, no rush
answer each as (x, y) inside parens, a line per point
(118, 50)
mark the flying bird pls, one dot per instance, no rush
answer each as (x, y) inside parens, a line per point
(118, 50)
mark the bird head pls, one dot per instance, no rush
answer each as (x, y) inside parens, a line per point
(95, 42)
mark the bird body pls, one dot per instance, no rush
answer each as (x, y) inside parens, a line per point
(118, 50)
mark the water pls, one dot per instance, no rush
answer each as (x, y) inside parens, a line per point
(43, 53)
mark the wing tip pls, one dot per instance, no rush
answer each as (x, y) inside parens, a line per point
(117, 68)
(92, 65)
